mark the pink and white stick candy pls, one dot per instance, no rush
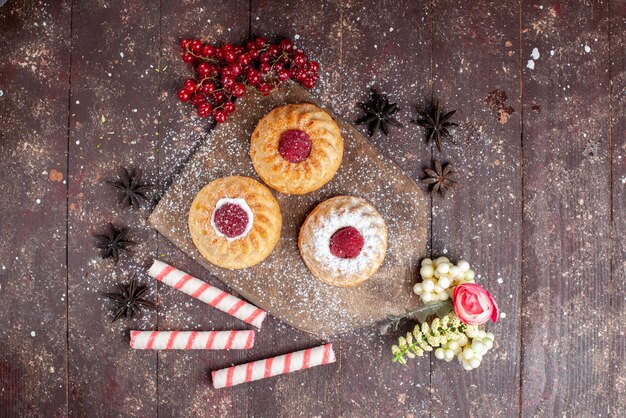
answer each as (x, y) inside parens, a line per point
(191, 340)
(208, 294)
(274, 366)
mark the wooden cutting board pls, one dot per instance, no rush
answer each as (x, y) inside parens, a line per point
(282, 284)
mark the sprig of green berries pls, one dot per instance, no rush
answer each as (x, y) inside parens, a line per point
(427, 337)
(468, 350)
(447, 337)
(473, 353)
(439, 276)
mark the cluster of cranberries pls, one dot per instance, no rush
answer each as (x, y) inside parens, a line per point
(225, 72)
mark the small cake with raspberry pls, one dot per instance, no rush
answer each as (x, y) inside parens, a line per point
(343, 241)
(235, 222)
(296, 148)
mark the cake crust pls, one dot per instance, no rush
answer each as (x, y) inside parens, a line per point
(315, 170)
(260, 238)
(329, 217)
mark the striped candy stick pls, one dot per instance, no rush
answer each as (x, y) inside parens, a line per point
(208, 294)
(274, 366)
(191, 340)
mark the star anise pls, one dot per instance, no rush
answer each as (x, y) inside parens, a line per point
(114, 242)
(378, 113)
(130, 187)
(440, 178)
(128, 301)
(436, 124)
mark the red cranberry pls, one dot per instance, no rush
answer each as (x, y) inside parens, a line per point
(265, 88)
(301, 75)
(260, 42)
(239, 90)
(218, 96)
(208, 51)
(264, 67)
(283, 75)
(184, 43)
(207, 87)
(215, 70)
(286, 45)
(299, 59)
(204, 110)
(235, 69)
(221, 116)
(230, 56)
(244, 59)
(264, 57)
(346, 242)
(228, 80)
(231, 220)
(227, 71)
(232, 68)
(198, 99)
(229, 107)
(294, 145)
(274, 50)
(183, 95)
(254, 77)
(196, 45)
(188, 57)
(204, 68)
(190, 85)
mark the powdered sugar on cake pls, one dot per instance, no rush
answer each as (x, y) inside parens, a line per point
(365, 221)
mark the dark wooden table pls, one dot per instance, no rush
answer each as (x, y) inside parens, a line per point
(87, 86)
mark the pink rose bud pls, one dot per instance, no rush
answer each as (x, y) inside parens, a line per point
(473, 304)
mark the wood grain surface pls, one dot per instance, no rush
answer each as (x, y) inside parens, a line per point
(282, 285)
(33, 152)
(567, 168)
(88, 86)
(111, 124)
(478, 74)
(617, 132)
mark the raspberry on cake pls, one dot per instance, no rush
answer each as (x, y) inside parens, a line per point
(235, 222)
(232, 218)
(347, 242)
(294, 145)
(343, 241)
